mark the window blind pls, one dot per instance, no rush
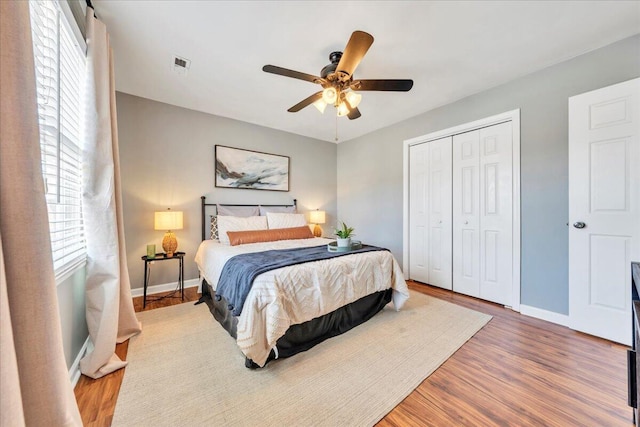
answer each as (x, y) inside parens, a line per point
(60, 67)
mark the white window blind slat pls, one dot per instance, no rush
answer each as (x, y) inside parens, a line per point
(60, 67)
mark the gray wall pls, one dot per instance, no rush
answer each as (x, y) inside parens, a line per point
(71, 294)
(167, 160)
(370, 167)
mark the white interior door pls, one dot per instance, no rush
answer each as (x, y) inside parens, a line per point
(483, 213)
(439, 233)
(466, 213)
(604, 208)
(418, 212)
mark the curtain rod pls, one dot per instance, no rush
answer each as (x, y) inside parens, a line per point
(91, 6)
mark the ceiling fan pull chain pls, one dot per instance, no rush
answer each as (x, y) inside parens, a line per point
(336, 128)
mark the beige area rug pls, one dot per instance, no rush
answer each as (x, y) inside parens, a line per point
(185, 370)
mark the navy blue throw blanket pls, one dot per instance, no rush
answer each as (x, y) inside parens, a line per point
(239, 272)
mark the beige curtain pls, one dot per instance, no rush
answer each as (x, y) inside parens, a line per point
(34, 383)
(110, 315)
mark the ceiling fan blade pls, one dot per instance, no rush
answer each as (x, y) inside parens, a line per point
(305, 102)
(293, 74)
(354, 113)
(383, 85)
(357, 47)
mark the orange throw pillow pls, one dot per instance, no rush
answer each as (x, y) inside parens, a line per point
(255, 236)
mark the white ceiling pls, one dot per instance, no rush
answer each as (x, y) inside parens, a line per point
(450, 49)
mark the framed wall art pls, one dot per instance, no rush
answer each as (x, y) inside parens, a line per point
(254, 170)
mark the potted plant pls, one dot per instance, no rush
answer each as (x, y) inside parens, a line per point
(344, 235)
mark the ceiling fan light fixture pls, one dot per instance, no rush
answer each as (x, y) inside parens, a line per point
(320, 105)
(337, 81)
(353, 98)
(329, 95)
(343, 109)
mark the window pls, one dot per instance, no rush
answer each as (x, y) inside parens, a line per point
(60, 67)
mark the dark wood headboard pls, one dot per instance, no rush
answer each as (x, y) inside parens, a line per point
(205, 204)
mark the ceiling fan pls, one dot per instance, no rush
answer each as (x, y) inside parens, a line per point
(337, 80)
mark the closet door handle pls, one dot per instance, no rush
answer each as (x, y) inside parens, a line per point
(466, 222)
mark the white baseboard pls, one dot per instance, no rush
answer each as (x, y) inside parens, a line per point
(549, 316)
(74, 371)
(165, 287)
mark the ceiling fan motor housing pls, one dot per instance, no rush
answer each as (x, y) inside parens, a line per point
(328, 70)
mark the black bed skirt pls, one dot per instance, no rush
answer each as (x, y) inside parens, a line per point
(305, 335)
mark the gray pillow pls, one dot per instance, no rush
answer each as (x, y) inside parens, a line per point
(277, 209)
(241, 211)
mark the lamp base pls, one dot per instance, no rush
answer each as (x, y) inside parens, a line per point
(169, 243)
(317, 231)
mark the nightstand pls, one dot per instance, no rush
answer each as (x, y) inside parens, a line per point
(162, 257)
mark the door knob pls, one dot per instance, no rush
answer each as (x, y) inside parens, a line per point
(579, 224)
(466, 222)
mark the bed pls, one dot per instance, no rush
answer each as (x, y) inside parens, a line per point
(287, 308)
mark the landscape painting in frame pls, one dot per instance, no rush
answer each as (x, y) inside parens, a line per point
(237, 168)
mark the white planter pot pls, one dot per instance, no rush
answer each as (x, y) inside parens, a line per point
(342, 243)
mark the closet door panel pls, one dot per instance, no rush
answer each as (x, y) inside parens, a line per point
(466, 215)
(418, 213)
(440, 256)
(496, 206)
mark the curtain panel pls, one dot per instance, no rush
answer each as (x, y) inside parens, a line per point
(34, 382)
(109, 309)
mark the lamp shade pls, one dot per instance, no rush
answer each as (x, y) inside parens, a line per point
(353, 99)
(168, 220)
(320, 105)
(329, 95)
(317, 217)
(343, 109)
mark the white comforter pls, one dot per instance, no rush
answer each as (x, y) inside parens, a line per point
(292, 295)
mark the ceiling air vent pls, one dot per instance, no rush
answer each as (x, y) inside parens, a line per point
(180, 65)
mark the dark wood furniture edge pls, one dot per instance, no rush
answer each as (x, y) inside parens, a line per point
(633, 373)
(161, 257)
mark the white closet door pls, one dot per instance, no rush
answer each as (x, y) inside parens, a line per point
(466, 213)
(418, 212)
(439, 233)
(430, 213)
(482, 213)
(496, 213)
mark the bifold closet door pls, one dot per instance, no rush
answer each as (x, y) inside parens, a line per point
(466, 213)
(482, 213)
(418, 212)
(439, 234)
(430, 213)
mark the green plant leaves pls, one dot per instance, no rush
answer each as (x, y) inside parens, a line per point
(344, 232)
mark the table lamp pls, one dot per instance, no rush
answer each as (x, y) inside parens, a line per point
(317, 217)
(169, 220)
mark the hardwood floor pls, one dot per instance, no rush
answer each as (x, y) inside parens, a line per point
(516, 371)
(97, 398)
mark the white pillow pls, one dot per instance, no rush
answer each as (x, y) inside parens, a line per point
(236, 223)
(285, 220)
